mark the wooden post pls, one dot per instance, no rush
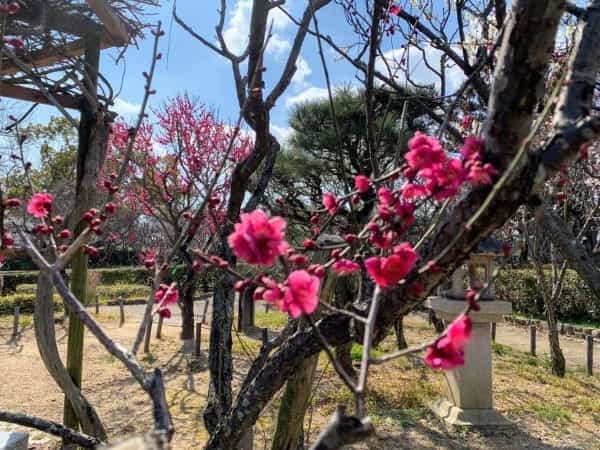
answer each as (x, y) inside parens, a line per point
(240, 316)
(267, 307)
(265, 336)
(85, 196)
(493, 331)
(198, 342)
(159, 327)
(589, 340)
(247, 442)
(148, 335)
(246, 310)
(205, 310)
(121, 311)
(97, 304)
(532, 335)
(15, 331)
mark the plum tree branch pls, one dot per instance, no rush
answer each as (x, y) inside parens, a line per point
(562, 237)
(50, 427)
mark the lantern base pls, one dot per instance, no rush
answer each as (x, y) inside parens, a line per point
(453, 415)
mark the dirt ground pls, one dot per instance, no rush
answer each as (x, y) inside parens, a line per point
(547, 413)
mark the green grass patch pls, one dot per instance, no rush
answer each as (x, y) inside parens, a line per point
(513, 357)
(24, 298)
(403, 417)
(105, 292)
(550, 413)
(357, 350)
(273, 320)
(579, 323)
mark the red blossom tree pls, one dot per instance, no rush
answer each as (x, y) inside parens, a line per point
(476, 184)
(181, 155)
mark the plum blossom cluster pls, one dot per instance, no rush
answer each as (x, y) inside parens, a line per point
(39, 207)
(165, 297)
(448, 351)
(430, 174)
(260, 239)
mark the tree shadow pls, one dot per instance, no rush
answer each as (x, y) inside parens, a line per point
(432, 433)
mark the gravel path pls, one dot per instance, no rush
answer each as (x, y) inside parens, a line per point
(516, 337)
(507, 334)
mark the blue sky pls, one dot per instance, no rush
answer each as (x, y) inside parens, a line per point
(188, 66)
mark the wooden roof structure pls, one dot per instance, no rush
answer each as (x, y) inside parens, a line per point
(51, 36)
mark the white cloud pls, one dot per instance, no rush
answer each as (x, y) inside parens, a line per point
(303, 71)
(238, 28)
(278, 45)
(126, 109)
(280, 20)
(399, 61)
(309, 94)
(281, 133)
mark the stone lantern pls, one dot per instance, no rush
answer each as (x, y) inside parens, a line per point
(469, 388)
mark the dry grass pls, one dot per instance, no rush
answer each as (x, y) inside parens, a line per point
(548, 412)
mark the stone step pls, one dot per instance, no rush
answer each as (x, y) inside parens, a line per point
(12, 440)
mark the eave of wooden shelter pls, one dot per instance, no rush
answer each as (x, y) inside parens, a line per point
(113, 31)
(57, 20)
(50, 56)
(114, 25)
(111, 24)
(35, 96)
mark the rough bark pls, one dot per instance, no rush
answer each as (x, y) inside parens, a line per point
(275, 372)
(246, 310)
(93, 139)
(295, 400)
(47, 426)
(345, 293)
(219, 353)
(289, 432)
(220, 359)
(45, 334)
(187, 311)
(517, 89)
(399, 329)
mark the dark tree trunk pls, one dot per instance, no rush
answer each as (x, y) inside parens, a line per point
(219, 355)
(556, 354)
(187, 312)
(290, 421)
(399, 329)
(345, 293)
(549, 294)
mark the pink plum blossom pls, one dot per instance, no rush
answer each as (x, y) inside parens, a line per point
(258, 239)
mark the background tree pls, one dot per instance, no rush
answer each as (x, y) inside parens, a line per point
(177, 155)
(325, 153)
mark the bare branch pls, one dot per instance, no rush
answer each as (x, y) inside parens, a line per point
(47, 426)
